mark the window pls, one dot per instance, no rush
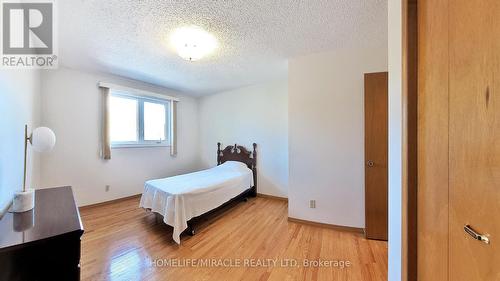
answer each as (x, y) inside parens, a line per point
(137, 121)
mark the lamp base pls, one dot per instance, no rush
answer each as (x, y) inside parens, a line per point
(23, 201)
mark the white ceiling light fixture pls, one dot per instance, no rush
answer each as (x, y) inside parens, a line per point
(192, 42)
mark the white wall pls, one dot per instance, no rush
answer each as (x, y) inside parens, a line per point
(19, 105)
(395, 138)
(252, 114)
(326, 134)
(71, 106)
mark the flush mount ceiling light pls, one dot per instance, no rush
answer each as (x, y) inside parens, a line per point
(193, 43)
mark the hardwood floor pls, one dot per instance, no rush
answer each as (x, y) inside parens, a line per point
(123, 242)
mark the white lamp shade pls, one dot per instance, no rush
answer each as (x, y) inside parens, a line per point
(43, 139)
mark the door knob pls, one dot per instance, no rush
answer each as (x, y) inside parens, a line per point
(370, 163)
(476, 235)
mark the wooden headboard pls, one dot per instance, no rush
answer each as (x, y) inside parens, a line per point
(241, 154)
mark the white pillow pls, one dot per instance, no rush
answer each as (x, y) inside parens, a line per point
(235, 165)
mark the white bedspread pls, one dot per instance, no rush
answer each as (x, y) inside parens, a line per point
(180, 198)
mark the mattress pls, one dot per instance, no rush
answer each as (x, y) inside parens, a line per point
(181, 198)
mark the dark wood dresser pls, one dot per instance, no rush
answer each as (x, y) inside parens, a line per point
(44, 243)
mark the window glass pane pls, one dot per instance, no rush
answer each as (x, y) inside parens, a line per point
(154, 121)
(123, 119)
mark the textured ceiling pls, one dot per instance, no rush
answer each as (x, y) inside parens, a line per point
(130, 38)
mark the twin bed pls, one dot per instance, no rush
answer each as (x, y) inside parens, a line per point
(183, 199)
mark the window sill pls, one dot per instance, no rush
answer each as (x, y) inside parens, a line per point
(119, 146)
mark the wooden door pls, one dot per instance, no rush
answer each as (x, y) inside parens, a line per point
(474, 162)
(459, 140)
(432, 143)
(376, 149)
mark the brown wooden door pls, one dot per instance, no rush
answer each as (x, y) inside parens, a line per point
(459, 140)
(376, 148)
(474, 133)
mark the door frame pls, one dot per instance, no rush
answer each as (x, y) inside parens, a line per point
(410, 100)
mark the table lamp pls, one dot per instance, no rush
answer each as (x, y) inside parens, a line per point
(42, 139)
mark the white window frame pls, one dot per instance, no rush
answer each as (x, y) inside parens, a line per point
(140, 121)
